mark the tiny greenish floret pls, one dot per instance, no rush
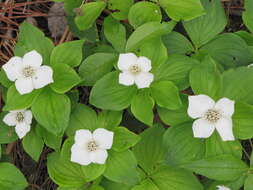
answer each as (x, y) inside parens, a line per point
(92, 146)
(212, 115)
(28, 71)
(20, 117)
(135, 69)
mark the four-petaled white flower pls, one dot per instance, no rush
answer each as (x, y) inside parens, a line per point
(28, 73)
(135, 70)
(21, 119)
(91, 147)
(222, 187)
(211, 116)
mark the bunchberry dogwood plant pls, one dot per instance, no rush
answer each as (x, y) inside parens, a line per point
(27, 72)
(135, 70)
(21, 119)
(126, 95)
(91, 147)
(211, 116)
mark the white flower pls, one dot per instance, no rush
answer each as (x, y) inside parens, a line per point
(135, 70)
(21, 119)
(91, 147)
(222, 187)
(28, 73)
(250, 65)
(211, 116)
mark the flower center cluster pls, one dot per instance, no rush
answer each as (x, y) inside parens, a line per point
(28, 71)
(135, 69)
(20, 117)
(92, 146)
(212, 115)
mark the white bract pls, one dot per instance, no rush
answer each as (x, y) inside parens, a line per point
(211, 116)
(221, 187)
(21, 119)
(91, 147)
(135, 70)
(28, 73)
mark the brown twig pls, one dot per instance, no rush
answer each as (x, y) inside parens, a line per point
(10, 147)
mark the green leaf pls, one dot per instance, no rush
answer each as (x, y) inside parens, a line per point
(229, 50)
(65, 78)
(107, 93)
(175, 117)
(146, 184)
(177, 43)
(31, 38)
(166, 95)
(121, 167)
(16, 101)
(143, 12)
(234, 185)
(251, 160)
(155, 50)
(33, 144)
(249, 182)
(96, 66)
(69, 5)
(176, 69)
(167, 178)
(89, 13)
(115, 33)
(82, 117)
(142, 107)
(89, 35)
(215, 146)
(96, 187)
(150, 151)
(120, 8)
(242, 121)
(64, 172)
(182, 9)
(74, 97)
(124, 139)
(247, 15)
(223, 167)
(4, 79)
(48, 138)
(204, 28)
(52, 111)
(206, 79)
(7, 133)
(110, 185)
(4, 94)
(148, 31)
(181, 145)
(69, 53)
(11, 178)
(238, 90)
(248, 37)
(109, 119)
